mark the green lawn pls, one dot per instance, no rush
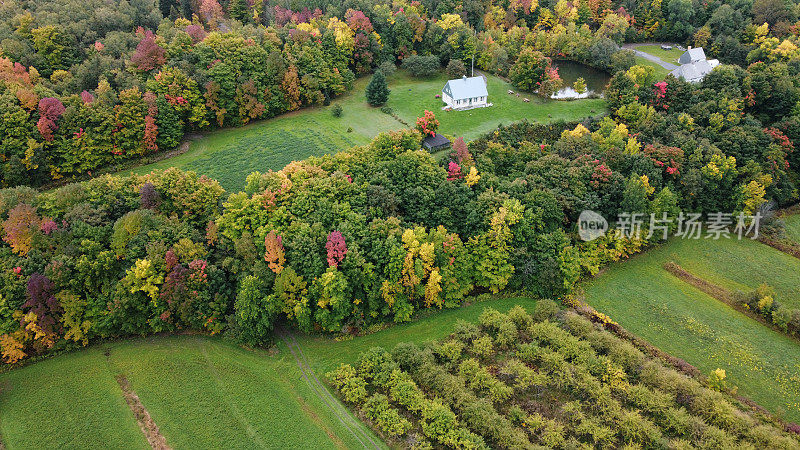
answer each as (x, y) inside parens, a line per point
(793, 227)
(202, 392)
(230, 155)
(410, 97)
(670, 56)
(659, 71)
(685, 322)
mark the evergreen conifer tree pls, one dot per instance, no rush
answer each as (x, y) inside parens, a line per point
(377, 90)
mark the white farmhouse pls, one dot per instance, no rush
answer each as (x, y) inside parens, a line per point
(466, 93)
(694, 65)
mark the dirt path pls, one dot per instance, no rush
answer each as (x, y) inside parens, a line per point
(146, 423)
(344, 416)
(667, 65)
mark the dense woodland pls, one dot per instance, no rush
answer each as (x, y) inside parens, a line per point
(374, 233)
(86, 86)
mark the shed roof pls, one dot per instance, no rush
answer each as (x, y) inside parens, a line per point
(435, 141)
(464, 87)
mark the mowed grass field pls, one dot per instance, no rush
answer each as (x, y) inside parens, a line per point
(230, 155)
(741, 265)
(670, 56)
(660, 72)
(202, 392)
(647, 300)
(70, 401)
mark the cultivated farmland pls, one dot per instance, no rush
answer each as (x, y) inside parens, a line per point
(685, 322)
(557, 380)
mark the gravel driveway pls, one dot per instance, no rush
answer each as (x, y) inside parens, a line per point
(649, 57)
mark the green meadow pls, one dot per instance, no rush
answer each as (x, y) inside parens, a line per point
(229, 155)
(659, 71)
(793, 227)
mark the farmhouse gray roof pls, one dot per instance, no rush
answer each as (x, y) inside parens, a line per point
(692, 55)
(695, 71)
(464, 87)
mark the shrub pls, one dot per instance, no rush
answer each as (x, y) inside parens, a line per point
(716, 380)
(374, 363)
(782, 317)
(438, 422)
(336, 111)
(450, 350)
(492, 319)
(545, 309)
(516, 414)
(635, 429)
(352, 386)
(377, 409)
(388, 68)
(578, 325)
(456, 69)
(483, 346)
(405, 391)
(550, 432)
(506, 334)
(421, 66)
(409, 356)
(465, 332)
(520, 317)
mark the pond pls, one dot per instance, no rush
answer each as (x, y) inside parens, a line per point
(596, 80)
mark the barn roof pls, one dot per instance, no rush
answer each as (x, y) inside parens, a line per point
(464, 87)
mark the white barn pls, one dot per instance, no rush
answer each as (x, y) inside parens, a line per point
(466, 93)
(694, 65)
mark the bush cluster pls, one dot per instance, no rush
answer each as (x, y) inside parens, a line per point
(762, 301)
(561, 382)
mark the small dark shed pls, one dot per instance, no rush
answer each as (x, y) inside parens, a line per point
(436, 143)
